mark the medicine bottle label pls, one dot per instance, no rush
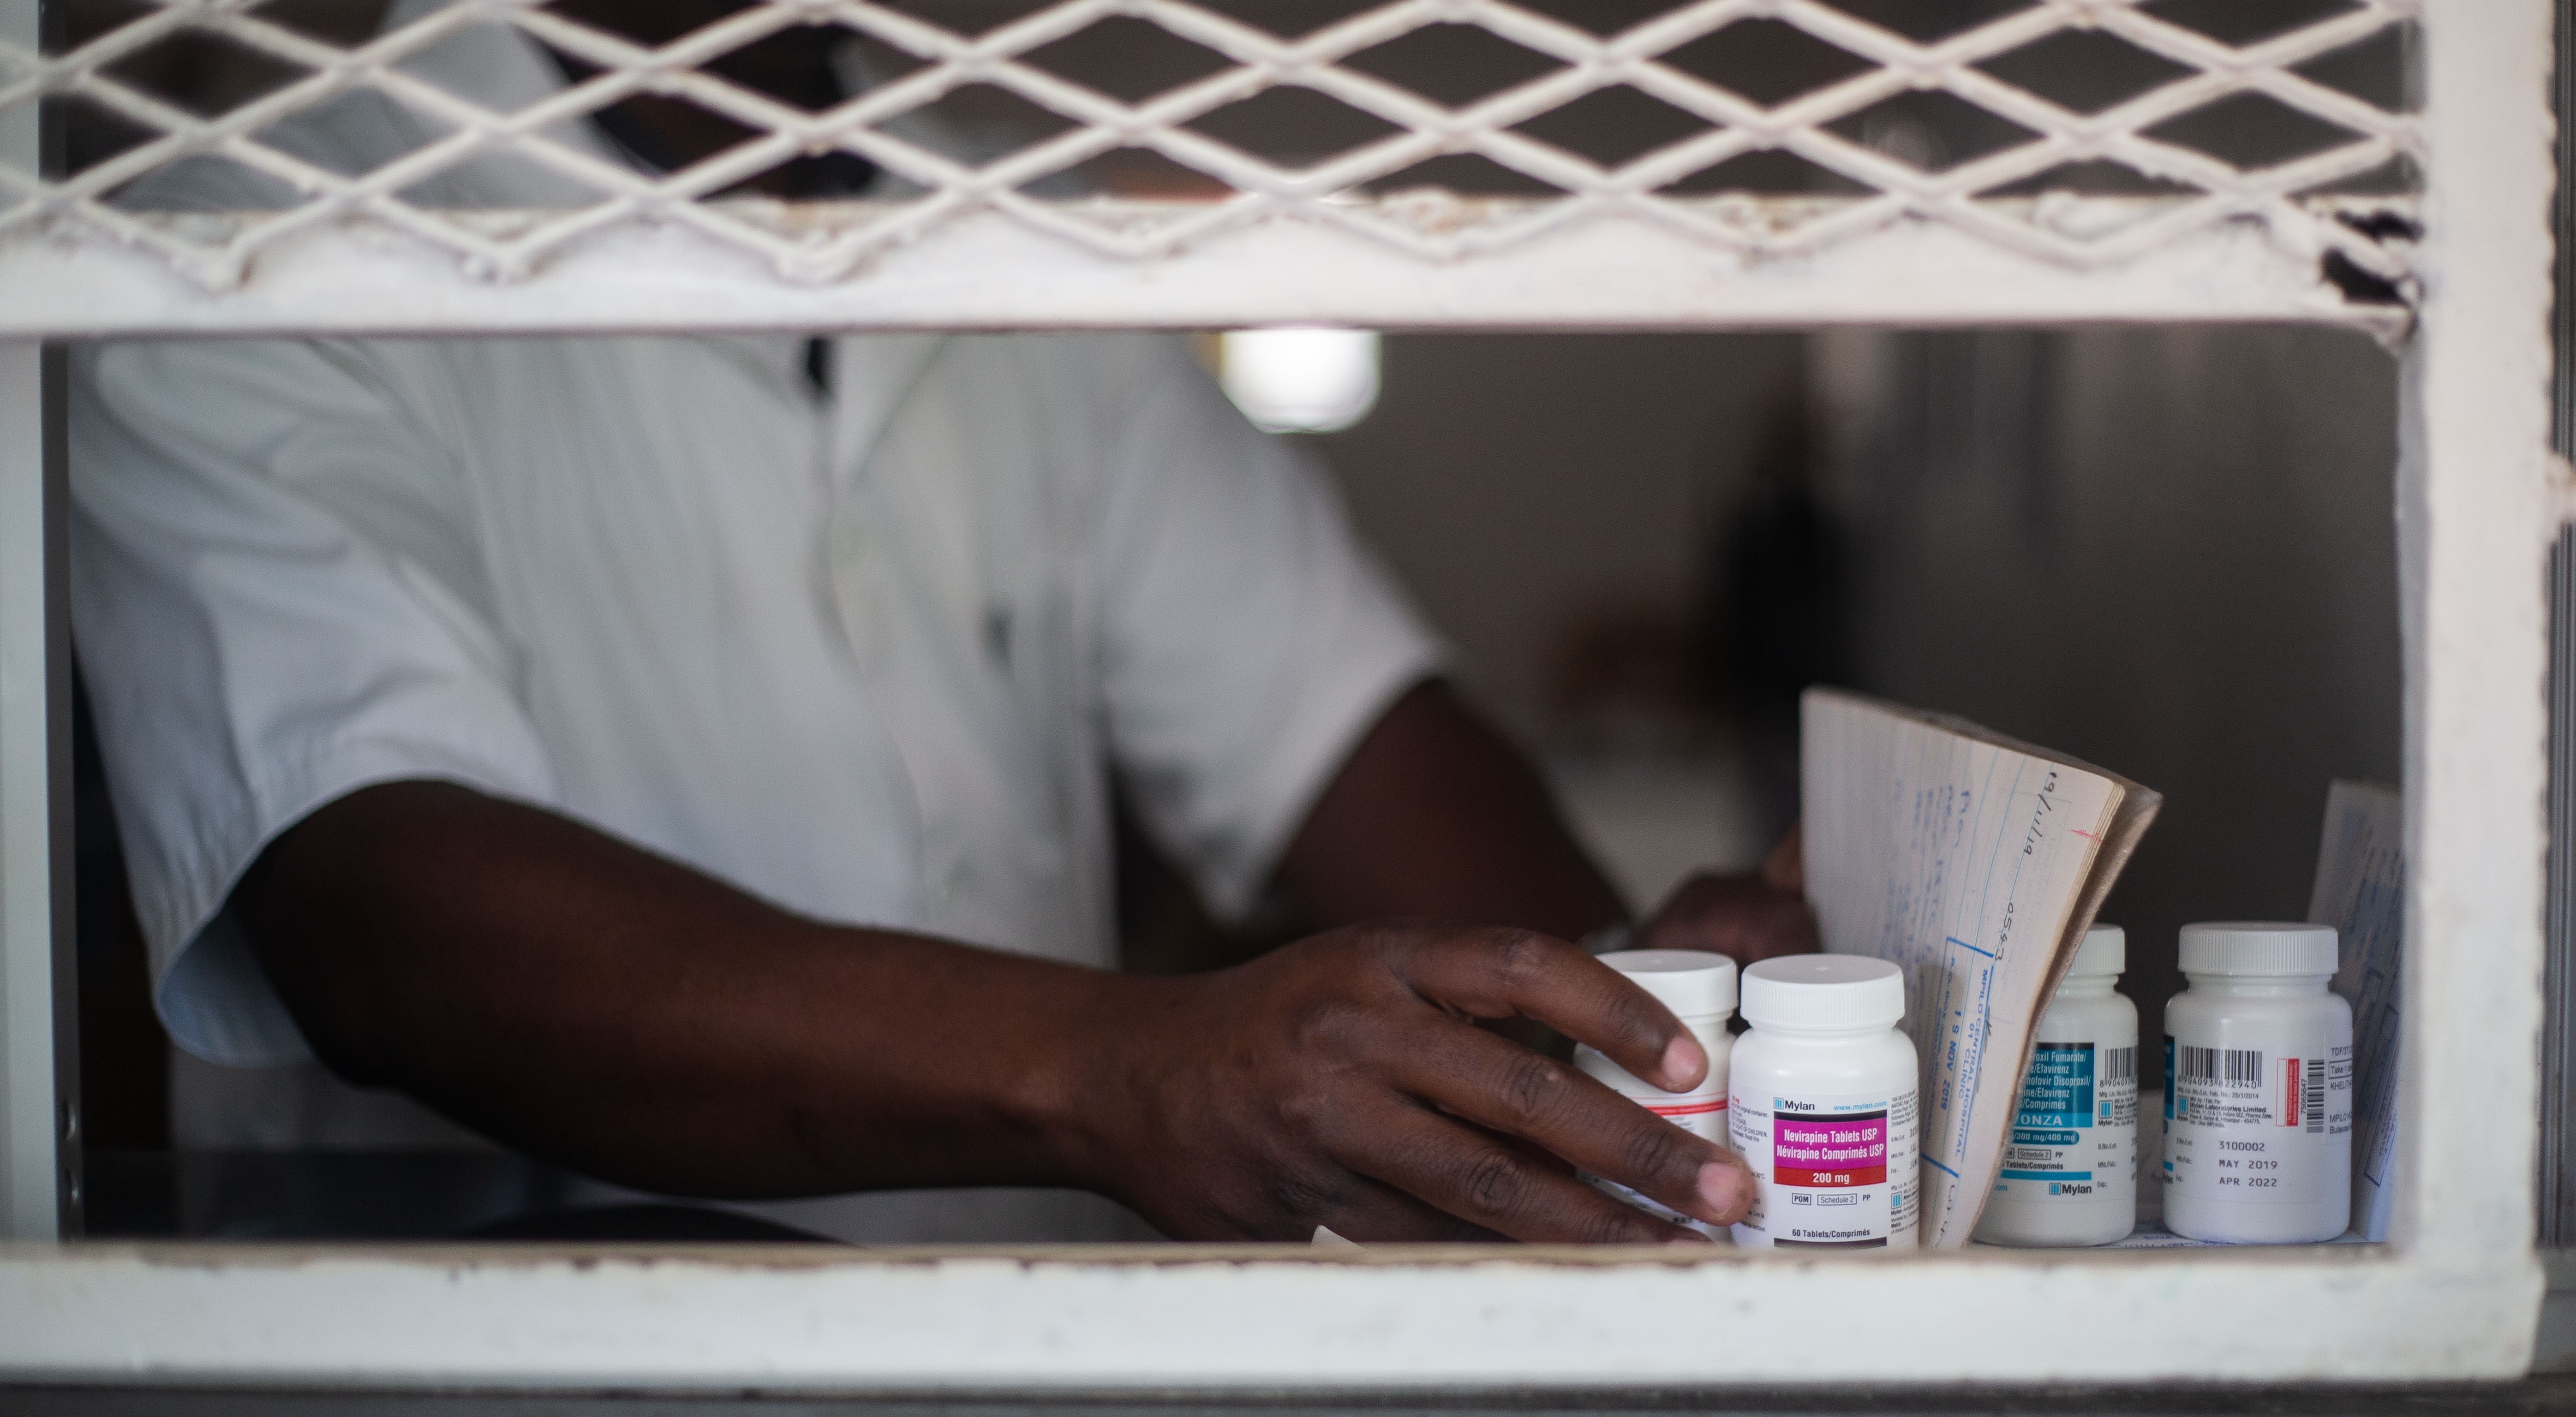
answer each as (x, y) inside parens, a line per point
(2077, 1131)
(2258, 1124)
(1701, 1117)
(1835, 1172)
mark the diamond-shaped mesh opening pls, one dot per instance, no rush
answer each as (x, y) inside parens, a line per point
(508, 181)
(2398, 176)
(2085, 70)
(2099, 177)
(1925, 21)
(1601, 17)
(1768, 62)
(1614, 126)
(337, 22)
(1289, 19)
(2251, 131)
(1143, 174)
(1126, 58)
(794, 66)
(206, 183)
(666, 133)
(1931, 130)
(1292, 126)
(2379, 70)
(652, 25)
(1468, 175)
(809, 177)
(867, 62)
(453, 64)
(204, 73)
(95, 19)
(93, 133)
(1766, 172)
(968, 17)
(1452, 65)
(300, 134)
(977, 124)
(801, 66)
(2247, 22)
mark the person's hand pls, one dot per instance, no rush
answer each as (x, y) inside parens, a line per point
(1746, 918)
(1341, 1081)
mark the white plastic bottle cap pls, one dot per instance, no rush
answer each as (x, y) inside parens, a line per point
(1824, 991)
(2105, 951)
(1691, 983)
(2257, 947)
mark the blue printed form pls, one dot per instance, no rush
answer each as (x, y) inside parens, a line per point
(1974, 863)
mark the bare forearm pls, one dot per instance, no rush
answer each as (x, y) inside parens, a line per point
(591, 1003)
(1436, 814)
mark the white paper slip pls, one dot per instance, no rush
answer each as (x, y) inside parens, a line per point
(2361, 891)
(1975, 863)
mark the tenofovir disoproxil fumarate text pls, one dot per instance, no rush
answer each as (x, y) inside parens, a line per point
(2258, 1087)
(1821, 1102)
(2070, 1172)
(1700, 990)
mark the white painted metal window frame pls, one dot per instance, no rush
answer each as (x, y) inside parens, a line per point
(2455, 1295)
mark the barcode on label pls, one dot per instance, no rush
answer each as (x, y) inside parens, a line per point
(2314, 1104)
(2119, 1063)
(2241, 1067)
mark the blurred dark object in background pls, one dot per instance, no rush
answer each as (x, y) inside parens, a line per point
(124, 1055)
(1777, 605)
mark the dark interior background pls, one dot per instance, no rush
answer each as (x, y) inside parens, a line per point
(2170, 552)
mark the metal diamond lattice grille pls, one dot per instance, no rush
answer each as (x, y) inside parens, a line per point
(2080, 133)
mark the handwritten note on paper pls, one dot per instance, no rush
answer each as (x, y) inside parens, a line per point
(1974, 863)
(2360, 890)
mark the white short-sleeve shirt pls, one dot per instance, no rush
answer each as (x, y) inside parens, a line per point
(871, 657)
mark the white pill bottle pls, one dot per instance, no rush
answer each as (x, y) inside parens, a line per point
(2258, 1087)
(2070, 1173)
(1821, 1102)
(1700, 990)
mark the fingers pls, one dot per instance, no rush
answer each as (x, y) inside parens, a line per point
(1489, 1185)
(1497, 973)
(1500, 1085)
(1372, 1212)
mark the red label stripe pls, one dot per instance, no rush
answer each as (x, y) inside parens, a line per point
(1832, 1180)
(1686, 1109)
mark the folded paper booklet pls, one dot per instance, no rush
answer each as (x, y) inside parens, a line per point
(1975, 863)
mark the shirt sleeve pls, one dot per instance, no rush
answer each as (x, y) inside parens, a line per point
(1251, 640)
(276, 600)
